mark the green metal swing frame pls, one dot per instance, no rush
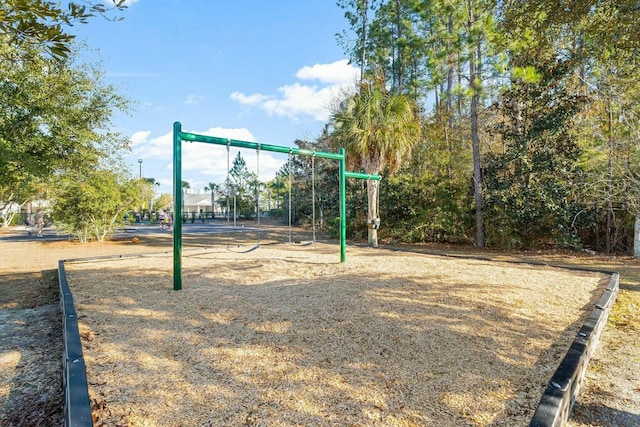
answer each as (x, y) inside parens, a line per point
(179, 136)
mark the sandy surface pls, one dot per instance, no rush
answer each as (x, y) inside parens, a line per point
(30, 323)
(286, 336)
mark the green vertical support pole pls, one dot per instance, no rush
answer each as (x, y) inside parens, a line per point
(343, 208)
(177, 206)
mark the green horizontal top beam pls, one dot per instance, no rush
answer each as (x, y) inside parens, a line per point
(360, 175)
(192, 137)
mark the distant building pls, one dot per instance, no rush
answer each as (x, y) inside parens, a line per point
(200, 202)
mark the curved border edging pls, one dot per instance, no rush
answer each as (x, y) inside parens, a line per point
(77, 407)
(562, 389)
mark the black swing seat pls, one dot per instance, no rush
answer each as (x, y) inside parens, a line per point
(300, 243)
(251, 249)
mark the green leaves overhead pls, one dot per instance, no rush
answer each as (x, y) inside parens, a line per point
(51, 117)
(377, 128)
(41, 23)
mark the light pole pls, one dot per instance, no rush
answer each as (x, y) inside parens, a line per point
(153, 193)
(139, 215)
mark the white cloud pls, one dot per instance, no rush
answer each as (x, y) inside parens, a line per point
(339, 72)
(243, 99)
(161, 147)
(211, 159)
(243, 134)
(333, 81)
(205, 163)
(298, 99)
(139, 138)
(155, 148)
(194, 99)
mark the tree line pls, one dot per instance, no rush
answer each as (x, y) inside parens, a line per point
(528, 116)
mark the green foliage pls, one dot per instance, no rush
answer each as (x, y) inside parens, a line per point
(333, 227)
(29, 23)
(164, 202)
(529, 199)
(530, 116)
(376, 128)
(429, 199)
(241, 188)
(50, 119)
(52, 110)
(91, 205)
(528, 74)
(275, 213)
(297, 175)
(425, 209)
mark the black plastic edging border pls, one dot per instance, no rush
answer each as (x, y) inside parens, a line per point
(561, 392)
(77, 408)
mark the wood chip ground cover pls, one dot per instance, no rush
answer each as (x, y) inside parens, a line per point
(284, 337)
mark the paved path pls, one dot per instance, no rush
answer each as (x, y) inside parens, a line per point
(21, 233)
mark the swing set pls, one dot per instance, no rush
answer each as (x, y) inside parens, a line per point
(179, 136)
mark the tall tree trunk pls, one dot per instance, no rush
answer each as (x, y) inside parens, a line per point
(474, 81)
(477, 178)
(450, 76)
(373, 219)
(364, 4)
(609, 207)
(449, 101)
(636, 238)
(458, 96)
(597, 224)
(399, 60)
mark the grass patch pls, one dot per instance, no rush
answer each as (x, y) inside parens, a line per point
(625, 313)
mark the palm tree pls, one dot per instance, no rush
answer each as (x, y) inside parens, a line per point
(150, 191)
(277, 185)
(213, 187)
(185, 186)
(254, 184)
(378, 129)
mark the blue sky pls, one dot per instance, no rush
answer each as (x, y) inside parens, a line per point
(255, 70)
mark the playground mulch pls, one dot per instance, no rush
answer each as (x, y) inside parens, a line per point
(30, 323)
(30, 333)
(287, 335)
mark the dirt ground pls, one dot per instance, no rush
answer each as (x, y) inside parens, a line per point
(272, 361)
